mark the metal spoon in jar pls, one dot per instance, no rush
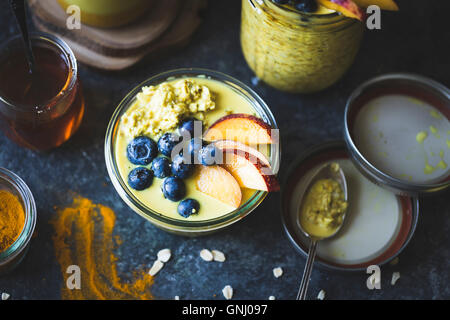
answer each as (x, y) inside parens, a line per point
(329, 171)
(18, 7)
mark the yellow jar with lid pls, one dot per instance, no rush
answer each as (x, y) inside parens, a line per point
(108, 13)
(295, 51)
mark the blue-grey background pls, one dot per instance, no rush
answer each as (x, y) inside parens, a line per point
(412, 40)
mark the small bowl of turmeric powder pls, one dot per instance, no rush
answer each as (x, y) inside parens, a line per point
(17, 219)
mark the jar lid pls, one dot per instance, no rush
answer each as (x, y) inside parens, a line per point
(378, 225)
(397, 131)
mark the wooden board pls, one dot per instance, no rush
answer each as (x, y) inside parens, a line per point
(166, 26)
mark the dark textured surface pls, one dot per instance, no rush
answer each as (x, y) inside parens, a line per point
(414, 40)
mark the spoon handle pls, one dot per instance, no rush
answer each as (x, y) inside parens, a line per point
(307, 272)
(18, 7)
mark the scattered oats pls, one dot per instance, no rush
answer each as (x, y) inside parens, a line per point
(321, 295)
(157, 265)
(271, 298)
(177, 298)
(164, 255)
(394, 262)
(395, 277)
(206, 255)
(5, 296)
(227, 292)
(218, 256)
(277, 272)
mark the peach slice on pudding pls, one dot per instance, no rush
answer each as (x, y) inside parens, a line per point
(230, 144)
(240, 127)
(218, 183)
(347, 7)
(383, 4)
(249, 172)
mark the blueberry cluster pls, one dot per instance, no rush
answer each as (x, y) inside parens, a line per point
(199, 151)
(300, 5)
(173, 169)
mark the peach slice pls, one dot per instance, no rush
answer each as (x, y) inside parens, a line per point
(218, 183)
(249, 173)
(383, 4)
(240, 127)
(347, 7)
(230, 144)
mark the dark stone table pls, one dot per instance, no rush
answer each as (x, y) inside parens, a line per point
(413, 40)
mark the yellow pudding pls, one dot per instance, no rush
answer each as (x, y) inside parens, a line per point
(214, 100)
(108, 13)
(322, 211)
(294, 51)
(219, 205)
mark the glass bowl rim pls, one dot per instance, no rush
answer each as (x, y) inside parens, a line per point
(177, 224)
(338, 17)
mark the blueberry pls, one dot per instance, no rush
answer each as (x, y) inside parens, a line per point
(305, 5)
(140, 178)
(207, 155)
(180, 168)
(167, 142)
(194, 146)
(161, 167)
(188, 207)
(188, 124)
(280, 1)
(142, 150)
(173, 188)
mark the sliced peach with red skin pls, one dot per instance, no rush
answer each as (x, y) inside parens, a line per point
(383, 4)
(347, 7)
(240, 127)
(249, 172)
(230, 144)
(218, 183)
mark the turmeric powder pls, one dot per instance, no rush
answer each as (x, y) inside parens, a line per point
(83, 237)
(12, 219)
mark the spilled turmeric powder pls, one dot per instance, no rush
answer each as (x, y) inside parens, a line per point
(83, 237)
(12, 219)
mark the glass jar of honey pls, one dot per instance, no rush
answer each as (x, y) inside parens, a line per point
(42, 108)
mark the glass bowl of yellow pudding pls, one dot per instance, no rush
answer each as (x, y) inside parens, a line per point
(108, 13)
(231, 97)
(296, 51)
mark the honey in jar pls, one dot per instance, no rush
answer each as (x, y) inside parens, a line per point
(41, 108)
